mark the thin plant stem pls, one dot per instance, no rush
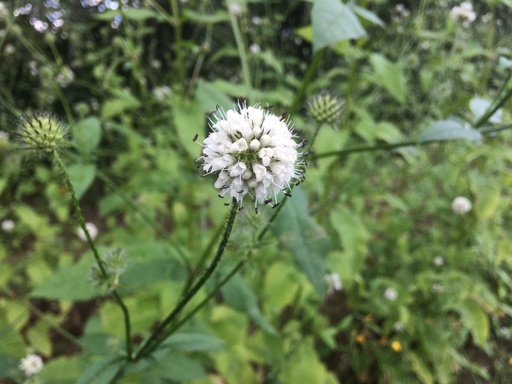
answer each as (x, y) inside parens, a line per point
(312, 71)
(494, 107)
(178, 44)
(241, 53)
(97, 257)
(156, 337)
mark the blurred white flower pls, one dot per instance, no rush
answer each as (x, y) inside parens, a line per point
(391, 294)
(333, 281)
(7, 226)
(236, 9)
(65, 77)
(438, 260)
(4, 13)
(461, 205)
(398, 326)
(401, 10)
(253, 152)
(9, 49)
(161, 93)
(438, 288)
(256, 20)
(91, 228)
(255, 49)
(31, 364)
(463, 12)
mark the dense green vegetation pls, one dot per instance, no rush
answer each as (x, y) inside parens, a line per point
(389, 263)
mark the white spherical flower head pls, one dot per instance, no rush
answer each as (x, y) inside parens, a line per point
(91, 228)
(31, 364)
(391, 294)
(7, 225)
(461, 205)
(253, 153)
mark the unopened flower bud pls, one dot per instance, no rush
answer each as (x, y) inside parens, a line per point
(325, 108)
(41, 132)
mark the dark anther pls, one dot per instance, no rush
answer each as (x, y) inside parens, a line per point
(268, 108)
(225, 186)
(297, 183)
(210, 169)
(283, 116)
(195, 137)
(267, 201)
(275, 205)
(287, 194)
(240, 191)
(220, 196)
(226, 204)
(256, 210)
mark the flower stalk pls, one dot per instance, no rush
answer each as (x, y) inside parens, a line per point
(159, 336)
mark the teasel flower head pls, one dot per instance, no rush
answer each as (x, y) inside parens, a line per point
(253, 154)
(324, 107)
(41, 132)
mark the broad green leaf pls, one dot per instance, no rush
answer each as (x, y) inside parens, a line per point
(476, 321)
(177, 368)
(444, 130)
(390, 76)
(81, 176)
(191, 342)
(366, 14)
(304, 366)
(189, 120)
(239, 296)
(103, 371)
(70, 283)
(8, 366)
(304, 238)
(61, 370)
(420, 369)
(333, 22)
(87, 134)
(12, 343)
(208, 96)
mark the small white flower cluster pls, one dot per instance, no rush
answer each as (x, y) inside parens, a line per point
(390, 294)
(7, 226)
(333, 281)
(461, 205)
(254, 48)
(162, 92)
(463, 12)
(253, 152)
(65, 77)
(402, 11)
(31, 364)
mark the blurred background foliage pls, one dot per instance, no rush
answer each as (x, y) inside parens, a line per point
(424, 293)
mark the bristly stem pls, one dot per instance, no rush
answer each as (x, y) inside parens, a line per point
(156, 337)
(81, 222)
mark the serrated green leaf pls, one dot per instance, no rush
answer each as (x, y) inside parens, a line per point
(444, 130)
(123, 101)
(476, 321)
(333, 22)
(87, 134)
(239, 296)
(81, 176)
(304, 238)
(192, 342)
(390, 76)
(102, 372)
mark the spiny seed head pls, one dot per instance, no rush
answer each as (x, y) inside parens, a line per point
(116, 261)
(41, 132)
(324, 107)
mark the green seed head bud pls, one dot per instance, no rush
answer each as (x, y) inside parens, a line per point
(95, 276)
(116, 261)
(41, 132)
(325, 108)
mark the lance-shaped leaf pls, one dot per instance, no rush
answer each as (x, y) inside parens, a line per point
(444, 130)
